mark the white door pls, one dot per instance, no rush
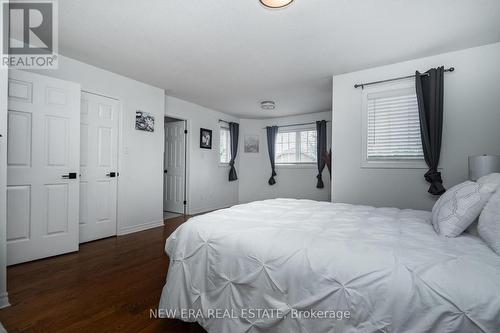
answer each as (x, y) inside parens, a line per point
(43, 159)
(98, 166)
(175, 160)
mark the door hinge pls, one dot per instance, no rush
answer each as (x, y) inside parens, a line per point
(185, 131)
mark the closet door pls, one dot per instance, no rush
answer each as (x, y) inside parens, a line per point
(98, 167)
(43, 159)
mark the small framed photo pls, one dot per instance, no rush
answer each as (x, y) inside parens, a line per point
(251, 144)
(205, 138)
(144, 121)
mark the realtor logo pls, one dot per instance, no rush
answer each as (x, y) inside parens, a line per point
(30, 34)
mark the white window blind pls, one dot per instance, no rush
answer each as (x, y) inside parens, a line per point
(393, 126)
(224, 147)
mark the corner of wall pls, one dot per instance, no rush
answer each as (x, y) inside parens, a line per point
(332, 186)
(208, 187)
(3, 178)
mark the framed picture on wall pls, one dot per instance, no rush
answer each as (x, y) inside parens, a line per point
(144, 121)
(205, 138)
(251, 144)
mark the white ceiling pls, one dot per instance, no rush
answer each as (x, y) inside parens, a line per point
(229, 55)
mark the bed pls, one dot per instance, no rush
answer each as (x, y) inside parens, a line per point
(286, 265)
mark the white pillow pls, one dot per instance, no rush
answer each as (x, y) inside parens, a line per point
(492, 178)
(458, 207)
(489, 223)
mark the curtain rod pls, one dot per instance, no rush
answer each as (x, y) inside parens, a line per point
(362, 85)
(291, 125)
(224, 121)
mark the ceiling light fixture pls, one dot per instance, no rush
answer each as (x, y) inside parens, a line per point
(267, 105)
(276, 3)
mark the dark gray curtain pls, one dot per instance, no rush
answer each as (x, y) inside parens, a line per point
(429, 88)
(320, 150)
(272, 132)
(234, 130)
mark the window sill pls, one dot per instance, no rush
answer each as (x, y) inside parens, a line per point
(394, 165)
(297, 166)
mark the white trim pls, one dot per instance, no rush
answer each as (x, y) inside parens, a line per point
(297, 130)
(387, 163)
(4, 301)
(93, 92)
(140, 227)
(187, 147)
(2, 329)
(396, 164)
(297, 166)
(121, 157)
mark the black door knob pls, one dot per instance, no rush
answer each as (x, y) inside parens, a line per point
(71, 175)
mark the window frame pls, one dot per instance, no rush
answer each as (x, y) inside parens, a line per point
(221, 129)
(384, 163)
(296, 165)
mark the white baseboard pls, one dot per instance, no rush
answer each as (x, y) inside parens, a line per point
(139, 227)
(4, 301)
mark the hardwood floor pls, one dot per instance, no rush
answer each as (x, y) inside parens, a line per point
(110, 285)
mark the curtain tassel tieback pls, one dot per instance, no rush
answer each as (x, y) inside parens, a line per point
(434, 178)
(271, 180)
(320, 183)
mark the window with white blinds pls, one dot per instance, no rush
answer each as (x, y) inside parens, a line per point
(224, 145)
(393, 126)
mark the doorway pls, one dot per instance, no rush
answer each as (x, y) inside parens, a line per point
(175, 164)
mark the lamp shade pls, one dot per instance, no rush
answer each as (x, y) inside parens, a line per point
(276, 3)
(483, 165)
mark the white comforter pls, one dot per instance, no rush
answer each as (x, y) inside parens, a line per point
(252, 267)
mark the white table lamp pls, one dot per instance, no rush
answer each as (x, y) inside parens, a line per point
(483, 165)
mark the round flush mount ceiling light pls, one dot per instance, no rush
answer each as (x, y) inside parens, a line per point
(267, 105)
(276, 3)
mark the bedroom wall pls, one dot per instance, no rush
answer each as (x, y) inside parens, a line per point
(208, 184)
(292, 181)
(3, 177)
(471, 127)
(140, 186)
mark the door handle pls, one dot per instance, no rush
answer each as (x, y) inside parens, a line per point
(71, 175)
(165, 171)
(112, 174)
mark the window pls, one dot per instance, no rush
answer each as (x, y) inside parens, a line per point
(296, 146)
(225, 145)
(392, 127)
